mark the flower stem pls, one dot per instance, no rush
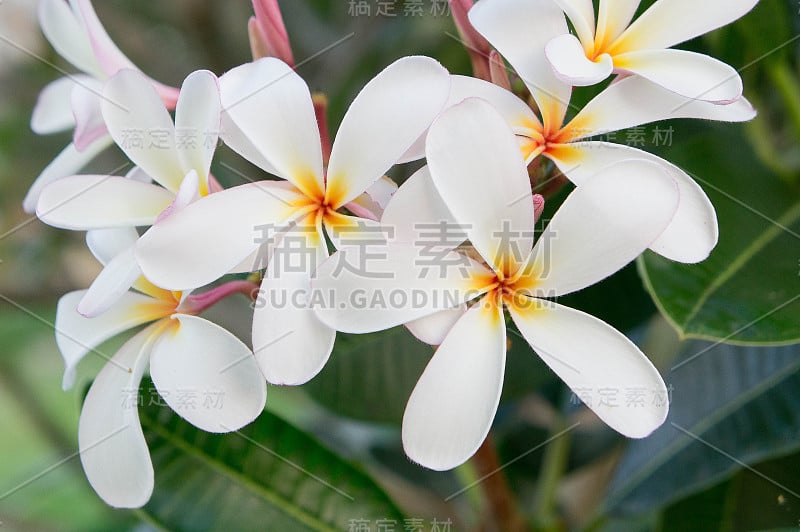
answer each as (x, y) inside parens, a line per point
(554, 464)
(501, 501)
(195, 304)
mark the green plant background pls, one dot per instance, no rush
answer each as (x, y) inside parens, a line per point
(727, 459)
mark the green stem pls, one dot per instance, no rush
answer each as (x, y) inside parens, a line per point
(554, 464)
(788, 85)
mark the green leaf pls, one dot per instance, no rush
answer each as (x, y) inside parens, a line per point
(730, 405)
(763, 499)
(370, 377)
(268, 476)
(748, 290)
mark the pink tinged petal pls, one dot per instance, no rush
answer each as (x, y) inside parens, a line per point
(137, 174)
(688, 19)
(290, 342)
(105, 244)
(688, 74)
(603, 225)
(271, 106)
(570, 64)
(372, 203)
(187, 193)
(693, 231)
(142, 127)
(205, 240)
(434, 328)
(476, 45)
(77, 335)
(455, 400)
(113, 450)
(53, 112)
(193, 355)
(635, 101)
(520, 30)
(589, 355)
(581, 14)
(86, 108)
(388, 115)
(362, 290)
(478, 169)
(86, 202)
(113, 281)
(66, 33)
(110, 57)
(613, 17)
(69, 162)
(416, 209)
(197, 120)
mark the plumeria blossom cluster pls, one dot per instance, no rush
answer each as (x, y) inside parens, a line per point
(325, 242)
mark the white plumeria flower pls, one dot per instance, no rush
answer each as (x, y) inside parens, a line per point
(270, 121)
(615, 45)
(74, 101)
(203, 372)
(627, 103)
(177, 156)
(481, 176)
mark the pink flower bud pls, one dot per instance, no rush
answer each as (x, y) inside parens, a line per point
(477, 47)
(268, 37)
(538, 207)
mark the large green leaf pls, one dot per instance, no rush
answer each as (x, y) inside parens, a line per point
(730, 405)
(370, 377)
(765, 498)
(268, 476)
(748, 290)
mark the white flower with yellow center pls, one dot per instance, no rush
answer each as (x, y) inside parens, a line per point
(202, 371)
(481, 177)
(269, 119)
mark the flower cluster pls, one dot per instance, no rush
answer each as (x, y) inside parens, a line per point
(338, 246)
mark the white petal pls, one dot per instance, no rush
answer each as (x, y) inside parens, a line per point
(205, 240)
(692, 233)
(361, 290)
(634, 101)
(345, 230)
(188, 192)
(69, 162)
(603, 225)
(207, 375)
(689, 74)
(113, 450)
(478, 169)
(233, 137)
(597, 361)
(85, 202)
(53, 112)
(434, 328)
(108, 55)
(581, 14)
(65, 32)
(417, 209)
(570, 64)
(197, 122)
(453, 405)
(613, 18)
(520, 30)
(137, 174)
(374, 200)
(271, 105)
(687, 19)
(86, 106)
(113, 281)
(519, 116)
(105, 244)
(374, 134)
(141, 126)
(291, 344)
(76, 335)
